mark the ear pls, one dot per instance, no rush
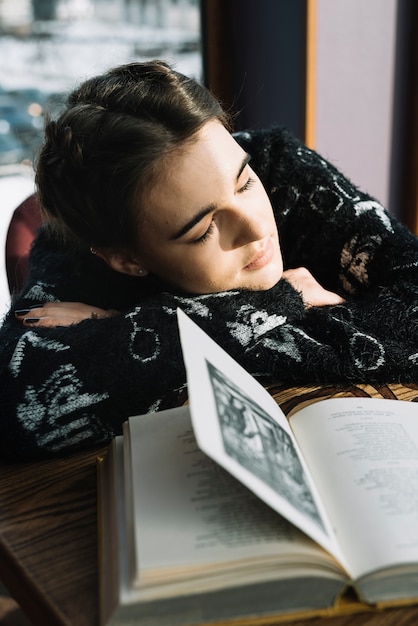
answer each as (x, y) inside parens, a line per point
(121, 261)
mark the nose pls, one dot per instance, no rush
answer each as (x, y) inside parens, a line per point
(245, 226)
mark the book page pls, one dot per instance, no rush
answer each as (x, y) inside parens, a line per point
(240, 426)
(363, 454)
(195, 523)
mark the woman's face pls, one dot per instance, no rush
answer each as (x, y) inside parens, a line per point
(207, 224)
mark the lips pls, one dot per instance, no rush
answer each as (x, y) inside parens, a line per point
(262, 257)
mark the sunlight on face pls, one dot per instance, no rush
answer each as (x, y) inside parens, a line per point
(207, 224)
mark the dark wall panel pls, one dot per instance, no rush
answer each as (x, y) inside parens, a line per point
(254, 59)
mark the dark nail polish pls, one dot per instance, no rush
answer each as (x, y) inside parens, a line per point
(22, 311)
(31, 320)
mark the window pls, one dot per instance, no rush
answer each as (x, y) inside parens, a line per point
(48, 46)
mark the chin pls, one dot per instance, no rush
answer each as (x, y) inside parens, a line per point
(263, 285)
(267, 281)
(267, 285)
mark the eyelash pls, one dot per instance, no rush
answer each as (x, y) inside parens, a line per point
(250, 182)
(206, 234)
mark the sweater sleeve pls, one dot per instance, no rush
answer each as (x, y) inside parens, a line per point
(345, 237)
(68, 388)
(372, 339)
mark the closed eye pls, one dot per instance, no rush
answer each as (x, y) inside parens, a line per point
(206, 234)
(250, 182)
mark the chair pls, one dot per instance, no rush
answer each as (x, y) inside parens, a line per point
(13, 192)
(23, 226)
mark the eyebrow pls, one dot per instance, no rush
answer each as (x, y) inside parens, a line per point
(210, 208)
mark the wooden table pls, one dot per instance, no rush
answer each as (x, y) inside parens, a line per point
(48, 532)
(48, 536)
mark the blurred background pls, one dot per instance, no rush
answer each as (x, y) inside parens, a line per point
(48, 46)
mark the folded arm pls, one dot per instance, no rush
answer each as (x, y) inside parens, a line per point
(67, 388)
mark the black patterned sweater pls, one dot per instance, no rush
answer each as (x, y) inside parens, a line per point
(67, 388)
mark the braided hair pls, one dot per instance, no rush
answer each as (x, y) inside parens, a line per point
(103, 151)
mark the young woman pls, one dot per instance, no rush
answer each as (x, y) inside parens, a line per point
(151, 204)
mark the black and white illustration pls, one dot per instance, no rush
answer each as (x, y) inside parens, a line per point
(259, 444)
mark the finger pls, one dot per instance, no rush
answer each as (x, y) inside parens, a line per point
(53, 308)
(79, 310)
(62, 319)
(49, 321)
(65, 313)
(332, 298)
(35, 309)
(61, 314)
(326, 298)
(59, 306)
(22, 312)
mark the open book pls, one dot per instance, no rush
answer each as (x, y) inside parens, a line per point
(226, 510)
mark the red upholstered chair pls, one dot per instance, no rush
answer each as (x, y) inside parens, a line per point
(25, 221)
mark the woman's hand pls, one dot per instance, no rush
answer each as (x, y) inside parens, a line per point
(311, 291)
(61, 314)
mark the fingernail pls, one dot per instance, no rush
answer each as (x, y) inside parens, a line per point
(31, 320)
(22, 311)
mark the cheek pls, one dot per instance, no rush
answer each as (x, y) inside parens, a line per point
(209, 265)
(190, 262)
(267, 207)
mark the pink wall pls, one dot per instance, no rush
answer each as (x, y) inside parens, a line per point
(355, 74)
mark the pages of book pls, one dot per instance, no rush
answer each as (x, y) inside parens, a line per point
(240, 426)
(196, 527)
(363, 455)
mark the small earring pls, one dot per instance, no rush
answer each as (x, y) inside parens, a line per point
(93, 250)
(140, 272)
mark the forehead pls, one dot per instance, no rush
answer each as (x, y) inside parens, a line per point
(211, 150)
(194, 175)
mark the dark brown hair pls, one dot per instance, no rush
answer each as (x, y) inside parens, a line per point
(98, 156)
